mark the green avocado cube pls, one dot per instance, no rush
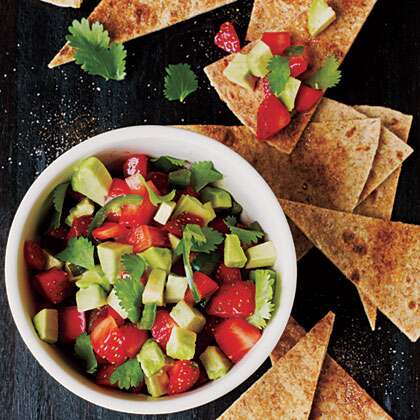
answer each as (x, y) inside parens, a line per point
(188, 317)
(153, 291)
(114, 302)
(320, 16)
(210, 209)
(181, 344)
(46, 325)
(289, 93)
(83, 208)
(258, 59)
(158, 258)
(151, 358)
(157, 385)
(181, 178)
(189, 204)
(51, 262)
(94, 276)
(219, 198)
(92, 179)
(109, 254)
(238, 72)
(234, 255)
(175, 289)
(91, 297)
(215, 362)
(164, 212)
(262, 255)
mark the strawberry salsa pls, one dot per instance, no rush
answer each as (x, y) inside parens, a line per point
(148, 276)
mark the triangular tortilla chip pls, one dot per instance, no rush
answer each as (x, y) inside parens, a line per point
(338, 395)
(381, 257)
(286, 391)
(335, 40)
(391, 153)
(328, 167)
(127, 19)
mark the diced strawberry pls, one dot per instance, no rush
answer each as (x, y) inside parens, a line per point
(219, 224)
(59, 233)
(54, 285)
(72, 323)
(34, 255)
(205, 287)
(227, 39)
(79, 227)
(227, 274)
(134, 339)
(109, 230)
(272, 117)
(202, 379)
(104, 374)
(176, 226)
(236, 337)
(266, 87)
(162, 328)
(160, 179)
(98, 315)
(182, 376)
(136, 164)
(118, 188)
(277, 41)
(143, 237)
(307, 98)
(233, 300)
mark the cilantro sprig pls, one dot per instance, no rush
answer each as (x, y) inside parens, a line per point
(79, 251)
(155, 198)
(213, 238)
(128, 375)
(94, 51)
(327, 76)
(204, 173)
(279, 73)
(246, 236)
(58, 196)
(168, 163)
(180, 81)
(83, 349)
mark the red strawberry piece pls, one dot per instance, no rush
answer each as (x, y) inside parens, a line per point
(227, 39)
(205, 287)
(134, 339)
(272, 117)
(118, 188)
(160, 179)
(98, 315)
(143, 237)
(202, 379)
(233, 300)
(59, 233)
(136, 164)
(227, 274)
(219, 224)
(266, 87)
(176, 225)
(307, 98)
(162, 328)
(277, 41)
(72, 323)
(182, 376)
(103, 377)
(79, 227)
(34, 255)
(235, 337)
(54, 285)
(109, 230)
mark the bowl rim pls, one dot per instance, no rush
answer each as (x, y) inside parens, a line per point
(84, 387)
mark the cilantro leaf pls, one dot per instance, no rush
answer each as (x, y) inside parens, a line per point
(156, 199)
(129, 290)
(279, 73)
(212, 239)
(264, 291)
(128, 375)
(57, 197)
(203, 173)
(180, 81)
(294, 50)
(79, 251)
(83, 349)
(246, 236)
(168, 163)
(94, 51)
(327, 76)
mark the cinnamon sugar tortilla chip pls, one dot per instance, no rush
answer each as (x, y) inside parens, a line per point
(328, 167)
(381, 257)
(338, 395)
(127, 19)
(286, 391)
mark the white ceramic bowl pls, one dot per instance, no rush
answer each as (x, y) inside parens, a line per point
(248, 188)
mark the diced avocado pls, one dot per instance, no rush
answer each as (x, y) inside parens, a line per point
(238, 72)
(176, 287)
(164, 212)
(180, 178)
(206, 263)
(181, 344)
(258, 59)
(219, 199)
(210, 209)
(157, 385)
(52, 262)
(114, 302)
(46, 325)
(83, 208)
(234, 255)
(151, 358)
(174, 241)
(188, 317)
(92, 179)
(94, 276)
(189, 204)
(215, 362)
(90, 298)
(320, 16)
(262, 255)
(289, 93)
(109, 254)
(158, 258)
(153, 291)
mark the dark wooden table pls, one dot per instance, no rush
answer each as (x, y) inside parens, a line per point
(45, 112)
